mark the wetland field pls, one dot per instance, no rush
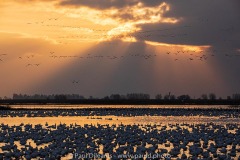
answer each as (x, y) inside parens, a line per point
(119, 132)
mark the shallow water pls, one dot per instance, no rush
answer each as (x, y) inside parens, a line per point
(119, 114)
(198, 125)
(81, 120)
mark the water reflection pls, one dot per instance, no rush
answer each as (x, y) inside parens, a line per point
(103, 120)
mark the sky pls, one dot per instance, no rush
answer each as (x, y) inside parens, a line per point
(102, 47)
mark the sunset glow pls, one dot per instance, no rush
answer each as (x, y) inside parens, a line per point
(116, 46)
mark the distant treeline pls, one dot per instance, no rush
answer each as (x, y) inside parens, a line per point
(132, 98)
(50, 97)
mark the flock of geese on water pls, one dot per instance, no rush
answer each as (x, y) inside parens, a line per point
(126, 112)
(180, 140)
(175, 141)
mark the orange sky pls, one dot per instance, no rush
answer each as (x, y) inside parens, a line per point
(43, 41)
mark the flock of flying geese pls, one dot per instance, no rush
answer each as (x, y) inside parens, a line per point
(102, 33)
(192, 54)
(136, 34)
(135, 55)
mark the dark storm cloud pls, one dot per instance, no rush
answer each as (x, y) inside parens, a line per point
(106, 4)
(214, 23)
(100, 4)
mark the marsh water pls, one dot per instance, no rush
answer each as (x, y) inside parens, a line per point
(118, 119)
(176, 130)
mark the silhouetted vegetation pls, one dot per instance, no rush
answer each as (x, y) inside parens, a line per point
(184, 97)
(117, 96)
(158, 96)
(60, 97)
(42, 96)
(212, 96)
(204, 96)
(141, 96)
(131, 98)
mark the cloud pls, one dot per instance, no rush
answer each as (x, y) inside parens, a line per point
(214, 23)
(103, 4)
(140, 14)
(210, 23)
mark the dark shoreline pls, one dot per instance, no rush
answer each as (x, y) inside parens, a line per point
(119, 102)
